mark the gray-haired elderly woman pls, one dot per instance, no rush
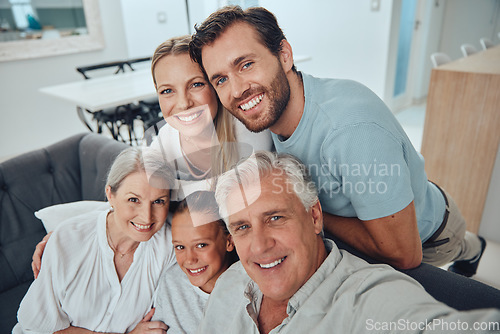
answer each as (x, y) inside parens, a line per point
(100, 269)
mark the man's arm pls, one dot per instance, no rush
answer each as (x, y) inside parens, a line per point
(393, 239)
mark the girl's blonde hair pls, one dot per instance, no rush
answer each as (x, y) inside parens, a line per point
(226, 155)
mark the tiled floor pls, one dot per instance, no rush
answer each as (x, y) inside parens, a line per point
(412, 120)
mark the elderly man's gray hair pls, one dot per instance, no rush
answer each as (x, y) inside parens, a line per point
(260, 165)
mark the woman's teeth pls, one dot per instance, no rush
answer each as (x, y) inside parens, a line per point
(272, 264)
(190, 117)
(252, 103)
(142, 227)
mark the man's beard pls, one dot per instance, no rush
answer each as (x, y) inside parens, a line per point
(278, 96)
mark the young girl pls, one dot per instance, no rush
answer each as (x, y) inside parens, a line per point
(204, 250)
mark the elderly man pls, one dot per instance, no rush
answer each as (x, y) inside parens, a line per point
(291, 280)
(371, 180)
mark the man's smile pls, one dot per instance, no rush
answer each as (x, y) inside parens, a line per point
(252, 103)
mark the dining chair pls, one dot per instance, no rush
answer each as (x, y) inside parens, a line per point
(468, 49)
(141, 61)
(486, 43)
(119, 120)
(151, 113)
(439, 58)
(113, 67)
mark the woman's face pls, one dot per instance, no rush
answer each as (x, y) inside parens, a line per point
(139, 209)
(201, 250)
(187, 101)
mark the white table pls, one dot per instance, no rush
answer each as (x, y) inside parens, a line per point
(108, 91)
(113, 90)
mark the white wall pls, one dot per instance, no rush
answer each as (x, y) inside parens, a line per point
(30, 119)
(151, 22)
(466, 21)
(345, 38)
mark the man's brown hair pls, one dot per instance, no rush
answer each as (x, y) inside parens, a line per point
(263, 21)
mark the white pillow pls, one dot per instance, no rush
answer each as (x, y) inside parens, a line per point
(51, 216)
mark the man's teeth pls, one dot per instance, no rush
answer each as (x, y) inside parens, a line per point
(141, 227)
(272, 264)
(252, 103)
(195, 271)
(190, 117)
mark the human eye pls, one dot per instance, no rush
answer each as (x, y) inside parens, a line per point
(179, 247)
(201, 245)
(242, 227)
(165, 91)
(160, 201)
(247, 65)
(220, 81)
(275, 218)
(198, 84)
(133, 200)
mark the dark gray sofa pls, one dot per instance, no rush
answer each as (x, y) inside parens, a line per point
(75, 169)
(71, 170)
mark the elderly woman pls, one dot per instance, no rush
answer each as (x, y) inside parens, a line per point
(100, 269)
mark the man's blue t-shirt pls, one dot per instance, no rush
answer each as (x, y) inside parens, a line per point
(359, 156)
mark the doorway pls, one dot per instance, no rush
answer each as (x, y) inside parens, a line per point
(416, 30)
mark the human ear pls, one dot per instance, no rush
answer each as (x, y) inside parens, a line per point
(229, 243)
(109, 195)
(317, 217)
(286, 56)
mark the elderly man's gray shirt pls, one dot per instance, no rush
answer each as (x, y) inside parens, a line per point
(345, 295)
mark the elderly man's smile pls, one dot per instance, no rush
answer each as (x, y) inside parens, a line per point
(272, 264)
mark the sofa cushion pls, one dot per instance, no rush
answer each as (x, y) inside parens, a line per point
(96, 156)
(9, 305)
(53, 215)
(28, 183)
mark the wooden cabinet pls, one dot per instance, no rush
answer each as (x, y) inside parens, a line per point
(462, 129)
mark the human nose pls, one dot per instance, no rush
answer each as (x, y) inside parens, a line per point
(262, 241)
(146, 214)
(185, 102)
(238, 86)
(191, 257)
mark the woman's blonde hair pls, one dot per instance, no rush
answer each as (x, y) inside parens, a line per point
(227, 154)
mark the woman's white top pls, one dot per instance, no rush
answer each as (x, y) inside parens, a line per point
(78, 284)
(167, 143)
